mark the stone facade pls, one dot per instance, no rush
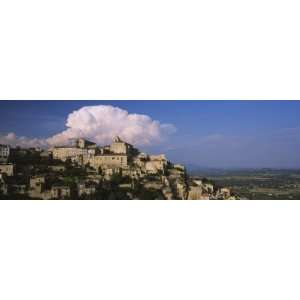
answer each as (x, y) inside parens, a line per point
(60, 192)
(78, 151)
(4, 153)
(181, 190)
(223, 193)
(86, 189)
(120, 147)
(7, 169)
(83, 144)
(195, 192)
(36, 186)
(84, 152)
(153, 166)
(37, 182)
(67, 152)
(107, 161)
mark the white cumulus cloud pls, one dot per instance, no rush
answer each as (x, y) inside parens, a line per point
(13, 140)
(100, 124)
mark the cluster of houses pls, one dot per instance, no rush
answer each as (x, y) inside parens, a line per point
(153, 172)
(117, 155)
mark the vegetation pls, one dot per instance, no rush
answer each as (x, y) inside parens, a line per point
(258, 184)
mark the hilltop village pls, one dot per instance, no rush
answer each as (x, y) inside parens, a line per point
(83, 170)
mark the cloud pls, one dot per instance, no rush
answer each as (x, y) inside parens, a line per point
(100, 124)
(13, 140)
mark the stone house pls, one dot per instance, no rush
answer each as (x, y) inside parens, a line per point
(84, 152)
(68, 152)
(83, 143)
(155, 164)
(120, 147)
(194, 192)
(37, 182)
(86, 188)
(181, 190)
(36, 186)
(7, 169)
(4, 153)
(108, 161)
(223, 193)
(60, 192)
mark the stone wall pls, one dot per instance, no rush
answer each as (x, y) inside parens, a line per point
(60, 192)
(7, 169)
(119, 148)
(64, 153)
(108, 161)
(4, 152)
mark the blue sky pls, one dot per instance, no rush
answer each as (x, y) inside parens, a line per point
(208, 133)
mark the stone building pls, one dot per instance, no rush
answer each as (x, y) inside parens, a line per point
(68, 152)
(151, 163)
(153, 166)
(85, 152)
(7, 169)
(36, 186)
(37, 182)
(77, 151)
(120, 147)
(60, 192)
(195, 192)
(4, 153)
(181, 190)
(83, 144)
(223, 193)
(86, 188)
(108, 161)
(132, 172)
